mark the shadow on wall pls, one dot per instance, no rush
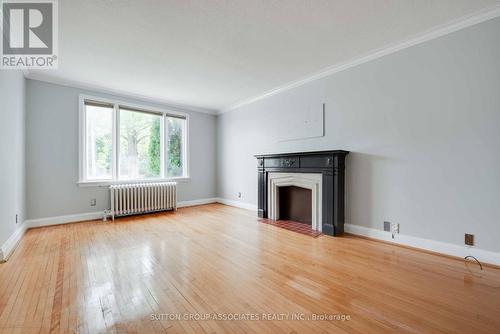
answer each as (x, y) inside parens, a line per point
(364, 189)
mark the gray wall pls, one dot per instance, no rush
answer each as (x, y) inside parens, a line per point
(423, 126)
(52, 153)
(12, 149)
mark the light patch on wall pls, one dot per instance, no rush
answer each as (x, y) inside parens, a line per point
(303, 122)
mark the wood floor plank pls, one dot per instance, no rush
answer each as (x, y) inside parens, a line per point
(162, 273)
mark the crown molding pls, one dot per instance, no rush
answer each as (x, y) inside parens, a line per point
(80, 85)
(439, 31)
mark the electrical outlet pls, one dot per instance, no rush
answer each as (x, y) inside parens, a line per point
(395, 228)
(105, 215)
(469, 239)
(239, 195)
(387, 226)
(93, 202)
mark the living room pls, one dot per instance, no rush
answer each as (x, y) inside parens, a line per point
(250, 166)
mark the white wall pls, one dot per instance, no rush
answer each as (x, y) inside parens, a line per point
(423, 126)
(12, 161)
(52, 153)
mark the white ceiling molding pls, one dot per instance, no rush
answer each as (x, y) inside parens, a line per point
(461, 23)
(68, 83)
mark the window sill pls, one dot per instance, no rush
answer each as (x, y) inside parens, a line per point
(101, 183)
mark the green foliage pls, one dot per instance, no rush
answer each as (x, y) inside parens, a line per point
(174, 159)
(154, 149)
(139, 146)
(103, 153)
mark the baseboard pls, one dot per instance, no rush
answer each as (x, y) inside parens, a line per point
(237, 204)
(183, 204)
(425, 244)
(64, 219)
(8, 247)
(79, 217)
(400, 239)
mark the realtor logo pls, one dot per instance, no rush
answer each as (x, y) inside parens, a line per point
(29, 34)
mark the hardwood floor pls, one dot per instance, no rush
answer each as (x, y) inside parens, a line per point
(99, 277)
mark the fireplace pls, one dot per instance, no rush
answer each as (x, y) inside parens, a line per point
(307, 187)
(310, 183)
(295, 203)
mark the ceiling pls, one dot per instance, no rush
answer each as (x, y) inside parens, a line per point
(215, 54)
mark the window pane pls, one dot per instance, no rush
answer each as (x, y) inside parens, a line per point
(99, 142)
(175, 145)
(139, 145)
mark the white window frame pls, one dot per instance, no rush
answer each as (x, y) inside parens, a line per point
(82, 156)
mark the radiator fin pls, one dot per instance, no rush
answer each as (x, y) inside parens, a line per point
(129, 199)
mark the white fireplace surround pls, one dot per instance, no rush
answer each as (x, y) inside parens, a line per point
(312, 181)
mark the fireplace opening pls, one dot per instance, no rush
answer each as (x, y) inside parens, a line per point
(295, 203)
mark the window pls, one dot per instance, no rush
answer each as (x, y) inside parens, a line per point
(175, 148)
(140, 153)
(120, 142)
(99, 141)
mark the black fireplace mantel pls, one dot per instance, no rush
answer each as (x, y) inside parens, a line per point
(331, 164)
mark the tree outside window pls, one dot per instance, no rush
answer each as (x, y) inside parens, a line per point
(141, 147)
